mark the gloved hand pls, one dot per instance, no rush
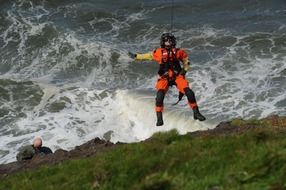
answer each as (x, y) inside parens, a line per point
(162, 71)
(183, 72)
(132, 55)
(163, 74)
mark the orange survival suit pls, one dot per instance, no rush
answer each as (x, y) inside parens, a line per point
(171, 73)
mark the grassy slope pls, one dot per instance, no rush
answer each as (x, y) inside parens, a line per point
(252, 160)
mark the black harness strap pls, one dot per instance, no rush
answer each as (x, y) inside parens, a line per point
(181, 95)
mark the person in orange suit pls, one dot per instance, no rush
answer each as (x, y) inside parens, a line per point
(170, 73)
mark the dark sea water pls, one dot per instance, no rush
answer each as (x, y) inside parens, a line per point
(65, 73)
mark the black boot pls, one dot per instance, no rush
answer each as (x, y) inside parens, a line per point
(159, 119)
(198, 115)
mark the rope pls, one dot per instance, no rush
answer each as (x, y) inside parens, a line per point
(172, 16)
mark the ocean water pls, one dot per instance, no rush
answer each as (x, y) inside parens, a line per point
(65, 74)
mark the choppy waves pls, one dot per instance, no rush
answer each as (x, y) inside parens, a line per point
(84, 85)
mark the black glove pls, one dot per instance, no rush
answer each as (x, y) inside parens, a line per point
(183, 72)
(161, 72)
(165, 75)
(132, 55)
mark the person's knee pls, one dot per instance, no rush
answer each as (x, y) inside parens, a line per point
(182, 84)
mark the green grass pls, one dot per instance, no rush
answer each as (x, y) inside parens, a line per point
(168, 161)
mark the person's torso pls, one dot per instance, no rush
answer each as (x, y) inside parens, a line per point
(168, 60)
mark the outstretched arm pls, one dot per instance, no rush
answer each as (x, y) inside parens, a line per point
(142, 57)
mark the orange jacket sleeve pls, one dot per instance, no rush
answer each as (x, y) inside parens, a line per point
(183, 56)
(157, 55)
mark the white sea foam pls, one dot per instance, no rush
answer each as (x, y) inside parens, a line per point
(126, 115)
(234, 80)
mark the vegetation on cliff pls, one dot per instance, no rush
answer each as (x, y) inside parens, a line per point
(236, 155)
